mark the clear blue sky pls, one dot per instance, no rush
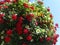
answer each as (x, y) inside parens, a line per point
(55, 10)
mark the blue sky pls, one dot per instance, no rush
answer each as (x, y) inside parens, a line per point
(55, 10)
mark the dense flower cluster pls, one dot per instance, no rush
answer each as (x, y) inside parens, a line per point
(22, 23)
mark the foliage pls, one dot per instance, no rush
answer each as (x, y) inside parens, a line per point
(25, 23)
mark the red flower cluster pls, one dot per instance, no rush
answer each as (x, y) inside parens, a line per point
(55, 36)
(29, 17)
(19, 28)
(25, 5)
(2, 2)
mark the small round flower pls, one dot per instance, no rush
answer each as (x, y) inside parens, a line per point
(54, 42)
(56, 25)
(25, 5)
(26, 31)
(14, 16)
(9, 32)
(2, 15)
(48, 38)
(29, 38)
(51, 16)
(55, 36)
(48, 9)
(7, 39)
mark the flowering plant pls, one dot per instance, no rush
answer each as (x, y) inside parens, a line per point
(24, 23)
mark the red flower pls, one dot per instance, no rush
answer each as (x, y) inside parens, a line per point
(25, 5)
(1, 20)
(9, 32)
(48, 9)
(55, 36)
(19, 29)
(32, 7)
(54, 42)
(0, 7)
(48, 38)
(26, 31)
(29, 38)
(51, 16)
(14, 16)
(29, 17)
(14, 1)
(41, 39)
(5, 6)
(24, 44)
(7, 0)
(2, 15)
(2, 2)
(56, 25)
(20, 19)
(7, 39)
